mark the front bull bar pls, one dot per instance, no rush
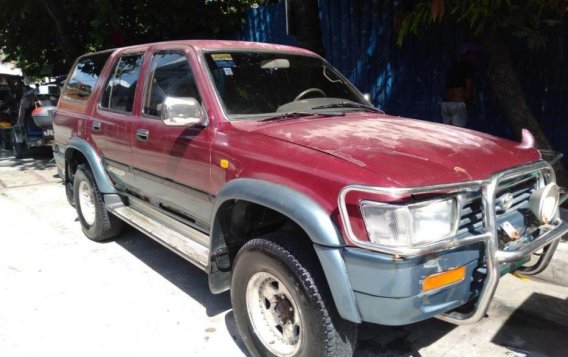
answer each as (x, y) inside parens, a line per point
(493, 255)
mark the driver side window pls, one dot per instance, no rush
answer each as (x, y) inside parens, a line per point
(170, 76)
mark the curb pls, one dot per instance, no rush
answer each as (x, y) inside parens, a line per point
(557, 271)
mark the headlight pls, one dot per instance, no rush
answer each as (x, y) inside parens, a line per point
(544, 202)
(410, 225)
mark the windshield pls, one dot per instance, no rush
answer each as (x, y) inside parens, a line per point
(257, 83)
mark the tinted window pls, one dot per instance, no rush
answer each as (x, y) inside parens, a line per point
(121, 86)
(170, 76)
(84, 77)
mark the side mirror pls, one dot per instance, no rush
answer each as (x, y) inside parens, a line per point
(182, 111)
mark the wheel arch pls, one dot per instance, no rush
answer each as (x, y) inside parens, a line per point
(308, 215)
(88, 153)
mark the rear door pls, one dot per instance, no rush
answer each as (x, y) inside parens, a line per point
(171, 163)
(114, 117)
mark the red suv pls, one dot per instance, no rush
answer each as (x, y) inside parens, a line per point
(266, 168)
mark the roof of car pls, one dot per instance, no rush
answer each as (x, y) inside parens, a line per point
(220, 45)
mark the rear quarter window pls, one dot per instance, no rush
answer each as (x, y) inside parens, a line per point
(84, 77)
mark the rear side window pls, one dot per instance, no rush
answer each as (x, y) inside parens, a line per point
(121, 86)
(84, 77)
(170, 76)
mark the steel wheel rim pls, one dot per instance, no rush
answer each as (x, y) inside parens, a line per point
(274, 314)
(87, 203)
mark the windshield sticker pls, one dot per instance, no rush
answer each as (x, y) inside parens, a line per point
(228, 71)
(223, 60)
(221, 57)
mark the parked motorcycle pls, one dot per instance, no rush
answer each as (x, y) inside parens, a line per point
(33, 127)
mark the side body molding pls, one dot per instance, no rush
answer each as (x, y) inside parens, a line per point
(103, 180)
(327, 240)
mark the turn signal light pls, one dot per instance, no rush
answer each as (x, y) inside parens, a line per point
(439, 280)
(224, 164)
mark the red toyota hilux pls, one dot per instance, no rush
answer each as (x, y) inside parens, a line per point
(266, 168)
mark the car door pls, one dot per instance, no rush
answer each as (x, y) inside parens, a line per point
(171, 163)
(114, 115)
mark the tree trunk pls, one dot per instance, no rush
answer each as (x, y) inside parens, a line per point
(304, 23)
(55, 11)
(507, 87)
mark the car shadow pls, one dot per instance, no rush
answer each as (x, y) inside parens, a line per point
(234, 331)
(539, 327)
(38, 158)
(395, 341)
(184, 275)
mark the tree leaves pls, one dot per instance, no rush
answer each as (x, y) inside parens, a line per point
(29, 37)
(530, 20)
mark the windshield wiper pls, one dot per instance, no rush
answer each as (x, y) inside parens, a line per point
(295, 115)
(349, 105)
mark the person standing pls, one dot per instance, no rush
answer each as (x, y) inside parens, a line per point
(459, 87)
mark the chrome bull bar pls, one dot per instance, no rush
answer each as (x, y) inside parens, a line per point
(494, 256)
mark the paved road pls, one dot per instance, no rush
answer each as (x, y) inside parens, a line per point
(63, 295)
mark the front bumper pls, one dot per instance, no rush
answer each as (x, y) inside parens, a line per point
(384, 307)
(387, 291)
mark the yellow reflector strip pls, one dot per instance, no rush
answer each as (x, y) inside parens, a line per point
(438, 280)
(520, 276)
(224, 164)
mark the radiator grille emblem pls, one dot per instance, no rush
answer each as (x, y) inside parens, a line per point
(506, 201)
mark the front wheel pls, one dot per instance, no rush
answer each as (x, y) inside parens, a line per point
(97, 223)
(282, 304)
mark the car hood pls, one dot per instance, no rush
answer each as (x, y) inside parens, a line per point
(406, 151)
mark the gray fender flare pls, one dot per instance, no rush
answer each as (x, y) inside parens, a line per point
(103, 180)
(309, 215)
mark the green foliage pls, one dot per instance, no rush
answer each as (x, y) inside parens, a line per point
(530, 20)
(29, 32)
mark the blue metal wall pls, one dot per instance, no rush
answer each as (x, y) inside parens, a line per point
(360, 40)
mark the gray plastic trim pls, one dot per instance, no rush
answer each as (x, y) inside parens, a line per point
(293, 204)
(103, 181)
(335, 272)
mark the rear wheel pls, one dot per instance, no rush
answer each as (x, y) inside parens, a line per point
(282, 304)
(97, 223)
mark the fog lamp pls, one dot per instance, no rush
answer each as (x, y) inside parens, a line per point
(544, 202)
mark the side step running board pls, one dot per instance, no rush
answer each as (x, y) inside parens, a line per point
(186, 245)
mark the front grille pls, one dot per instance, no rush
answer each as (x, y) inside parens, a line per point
(471, 220)
(516, 191)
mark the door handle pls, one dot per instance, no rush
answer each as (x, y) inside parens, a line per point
(96, 125)
(142, 134)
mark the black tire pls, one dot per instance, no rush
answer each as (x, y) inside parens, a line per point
(19, 149)
(105, 225)
(323, 332)
(69, 193)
